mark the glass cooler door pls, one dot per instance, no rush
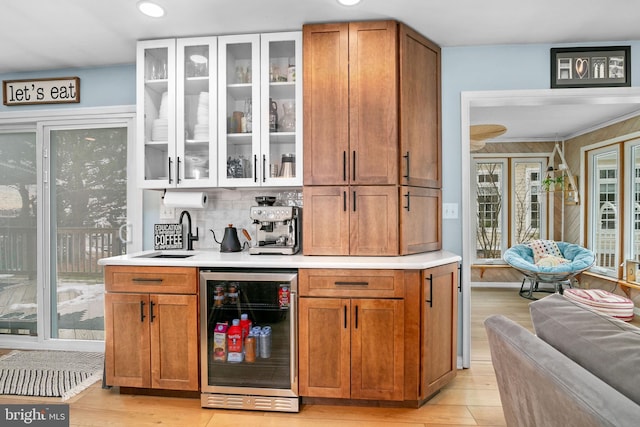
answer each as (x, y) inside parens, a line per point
(257, 355)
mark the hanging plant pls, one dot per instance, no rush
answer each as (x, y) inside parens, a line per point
(555, 182)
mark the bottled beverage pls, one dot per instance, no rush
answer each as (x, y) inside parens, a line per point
(245, 323)
(234, 342)
(250, 349)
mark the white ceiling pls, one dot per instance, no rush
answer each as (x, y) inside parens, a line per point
(44, 34)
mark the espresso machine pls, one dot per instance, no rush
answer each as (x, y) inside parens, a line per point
(277, 229)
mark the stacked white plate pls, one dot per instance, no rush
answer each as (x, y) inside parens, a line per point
(201, 129)
(160, 128)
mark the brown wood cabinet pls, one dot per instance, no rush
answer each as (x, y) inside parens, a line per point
(386, 335)
(351, 348)
(371, 220)
(371, 105)
(439, 327)
(371, 133)
(151, 327)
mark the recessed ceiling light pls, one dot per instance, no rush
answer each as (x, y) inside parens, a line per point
(348, 2)
(151, 9)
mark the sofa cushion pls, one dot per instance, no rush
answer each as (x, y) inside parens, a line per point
(603, 345)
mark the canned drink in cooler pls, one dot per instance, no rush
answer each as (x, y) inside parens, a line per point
(255, 331)
(265, 342)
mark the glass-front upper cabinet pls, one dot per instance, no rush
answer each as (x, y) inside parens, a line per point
(156, 124)
(259, 111)
(196, 112)
(281, 108)
(177, 112)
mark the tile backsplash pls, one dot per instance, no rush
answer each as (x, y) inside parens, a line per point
(231, 206)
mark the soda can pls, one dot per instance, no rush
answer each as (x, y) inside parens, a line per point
(265, 342)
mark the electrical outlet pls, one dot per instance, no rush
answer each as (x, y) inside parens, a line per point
(449, 210)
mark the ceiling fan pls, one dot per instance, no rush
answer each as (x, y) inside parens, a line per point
(478, 134)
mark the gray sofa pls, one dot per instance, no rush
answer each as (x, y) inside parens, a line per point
(581, 368)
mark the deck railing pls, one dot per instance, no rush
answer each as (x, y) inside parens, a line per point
(78, 249)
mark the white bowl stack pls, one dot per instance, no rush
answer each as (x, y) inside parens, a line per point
(201, 129)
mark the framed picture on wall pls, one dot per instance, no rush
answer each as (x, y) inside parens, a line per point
(580, 67)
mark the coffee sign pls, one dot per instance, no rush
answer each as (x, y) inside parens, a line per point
(41, 91)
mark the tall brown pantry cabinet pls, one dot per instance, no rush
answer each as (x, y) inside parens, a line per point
(371, 135)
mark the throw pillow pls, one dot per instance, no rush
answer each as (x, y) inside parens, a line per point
(550, 261)
(544, 247)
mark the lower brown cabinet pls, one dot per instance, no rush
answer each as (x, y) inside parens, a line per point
(375, 335)
(151, 331)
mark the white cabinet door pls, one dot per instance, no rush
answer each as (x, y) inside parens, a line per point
(238, 111)
(156, 124)
(196, 112)
(281, 108)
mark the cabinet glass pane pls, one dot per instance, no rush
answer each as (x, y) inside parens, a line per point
(240, 163)
(156, 113)
(196, 111)
(282, 109)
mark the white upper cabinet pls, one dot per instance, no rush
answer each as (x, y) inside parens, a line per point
(220, 111)
(260, 110)
(177, 112)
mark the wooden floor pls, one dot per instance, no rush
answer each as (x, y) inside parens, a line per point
(472, 399)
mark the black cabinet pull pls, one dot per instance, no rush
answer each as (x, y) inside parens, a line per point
(264, 168)
(406, 156)
(255, 168)
(344, 166)
(345, 317)
(353, 178)
(344, 201)
(408, 196)
(151, 315)
(178, 171)
(356, 317)
(144, 279)
(460, 278)
(170, 180)
(351, 283)
(354, 201)
(142, 311)
(430, 300)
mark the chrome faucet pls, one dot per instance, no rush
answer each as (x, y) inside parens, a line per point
(190, 237)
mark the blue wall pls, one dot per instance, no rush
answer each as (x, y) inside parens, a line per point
(486, 68)
(99, 87)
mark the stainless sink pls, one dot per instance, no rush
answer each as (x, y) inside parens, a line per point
(171, 256)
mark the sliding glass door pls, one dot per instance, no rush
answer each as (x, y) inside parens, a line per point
(87, 201)
(18, 232)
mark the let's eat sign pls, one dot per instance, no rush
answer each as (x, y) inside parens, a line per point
(56, 90)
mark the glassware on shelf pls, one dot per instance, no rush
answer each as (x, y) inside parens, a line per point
(273, 116)
(248, 116)
(288, 120)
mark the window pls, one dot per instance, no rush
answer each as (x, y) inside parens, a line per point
(508, 211)
(632, 226)
(604, 238)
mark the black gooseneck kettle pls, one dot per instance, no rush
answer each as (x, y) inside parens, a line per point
(230, 241)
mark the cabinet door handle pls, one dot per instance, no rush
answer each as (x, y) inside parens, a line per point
(351, 283)
(151, 315)
(142, 311)
(178, 171)
(354, 201)
(255, 168)
(406, 156)
(430, 300)
(264, 168)
(408, 196)
(344, 166)
(354, 166)
(170, 180)
(144, 279)
(344, 201)
(356, 317)
(345, 317)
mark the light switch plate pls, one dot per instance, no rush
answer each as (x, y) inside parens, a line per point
(449, 210)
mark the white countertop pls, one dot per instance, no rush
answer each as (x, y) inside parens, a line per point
(213, 258)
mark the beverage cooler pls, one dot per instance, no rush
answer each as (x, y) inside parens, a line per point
(249, 339)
